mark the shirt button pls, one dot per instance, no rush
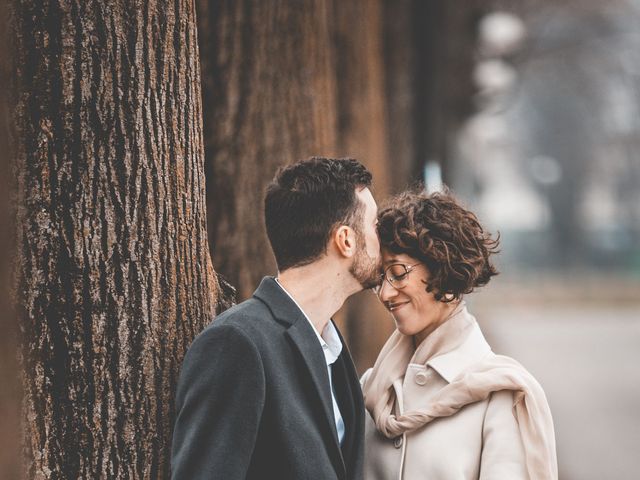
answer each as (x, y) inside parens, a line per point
(421, 378)
(397, 442)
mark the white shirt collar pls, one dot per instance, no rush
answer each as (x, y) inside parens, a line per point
(329, 340)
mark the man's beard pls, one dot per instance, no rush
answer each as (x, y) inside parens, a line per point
(365, 269)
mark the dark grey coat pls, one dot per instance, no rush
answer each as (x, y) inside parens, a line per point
(254, 399)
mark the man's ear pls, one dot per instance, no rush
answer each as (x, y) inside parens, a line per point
(344, 238)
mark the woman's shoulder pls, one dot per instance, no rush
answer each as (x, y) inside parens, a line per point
(505, 379)
(509, 366)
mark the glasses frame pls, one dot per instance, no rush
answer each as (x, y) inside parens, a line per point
(383, 276)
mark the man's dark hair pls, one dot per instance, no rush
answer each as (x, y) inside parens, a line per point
(304, 203)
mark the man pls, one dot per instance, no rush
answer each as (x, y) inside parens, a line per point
(269, 390)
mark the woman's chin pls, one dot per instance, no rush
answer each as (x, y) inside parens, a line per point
(404, 329)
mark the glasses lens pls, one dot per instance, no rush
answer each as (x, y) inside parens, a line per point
(396, 274)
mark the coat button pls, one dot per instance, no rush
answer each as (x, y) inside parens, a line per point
(421, 378)
(397, 442)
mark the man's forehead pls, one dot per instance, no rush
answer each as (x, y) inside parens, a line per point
(368, 203)
(366, 196)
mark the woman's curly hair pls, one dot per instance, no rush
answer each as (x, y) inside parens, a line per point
(436, 230)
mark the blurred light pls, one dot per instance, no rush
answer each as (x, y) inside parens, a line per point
(513, 206)
(490, 130)
(546, 170)
(501, 33)
(494, 76)
(599, 209)
(432, 177)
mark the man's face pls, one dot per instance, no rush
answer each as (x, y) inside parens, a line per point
(366, 262)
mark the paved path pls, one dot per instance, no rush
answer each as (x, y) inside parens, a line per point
(587, 358)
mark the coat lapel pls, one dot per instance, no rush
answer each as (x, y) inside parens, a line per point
(349, 396)
(303, 338)
(353, 416)
(311, 354)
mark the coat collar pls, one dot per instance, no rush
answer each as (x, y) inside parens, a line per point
(332, 345)
(304, 339)
(473, 349)
(281, 305)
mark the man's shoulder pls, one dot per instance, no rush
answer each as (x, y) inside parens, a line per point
(250, 309)
(245, 327)
(251, 317)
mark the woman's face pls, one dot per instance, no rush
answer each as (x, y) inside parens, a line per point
(415, 311)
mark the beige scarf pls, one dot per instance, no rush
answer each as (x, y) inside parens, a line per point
(476, 383)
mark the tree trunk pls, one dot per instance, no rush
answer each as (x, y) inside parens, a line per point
(363, 131)
(359, 68)
(401, 91)
(445, 40)
(115, 277)
(269, 100)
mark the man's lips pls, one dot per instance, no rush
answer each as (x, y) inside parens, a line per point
(395, 306)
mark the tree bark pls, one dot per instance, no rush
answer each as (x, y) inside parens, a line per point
(269, 97)
(358, 43)
(362, 129)
(114, 273)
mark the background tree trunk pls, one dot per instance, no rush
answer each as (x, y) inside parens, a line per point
(269, 96)
(445, 40)
(115, 277)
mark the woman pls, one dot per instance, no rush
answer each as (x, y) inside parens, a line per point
(441, 404)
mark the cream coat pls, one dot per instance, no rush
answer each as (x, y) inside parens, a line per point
(481, 441)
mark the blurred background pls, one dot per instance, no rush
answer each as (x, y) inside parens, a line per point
(550, 158)
(528, 110)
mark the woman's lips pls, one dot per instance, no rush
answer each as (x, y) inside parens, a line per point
(395, 306)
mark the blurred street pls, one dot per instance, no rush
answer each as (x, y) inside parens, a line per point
(586, 356)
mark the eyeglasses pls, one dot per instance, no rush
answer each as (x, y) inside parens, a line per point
(397, 274)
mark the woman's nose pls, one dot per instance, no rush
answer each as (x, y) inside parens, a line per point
(387, 291)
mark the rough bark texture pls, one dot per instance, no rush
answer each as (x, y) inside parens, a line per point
(114, 273)
(269, 96)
